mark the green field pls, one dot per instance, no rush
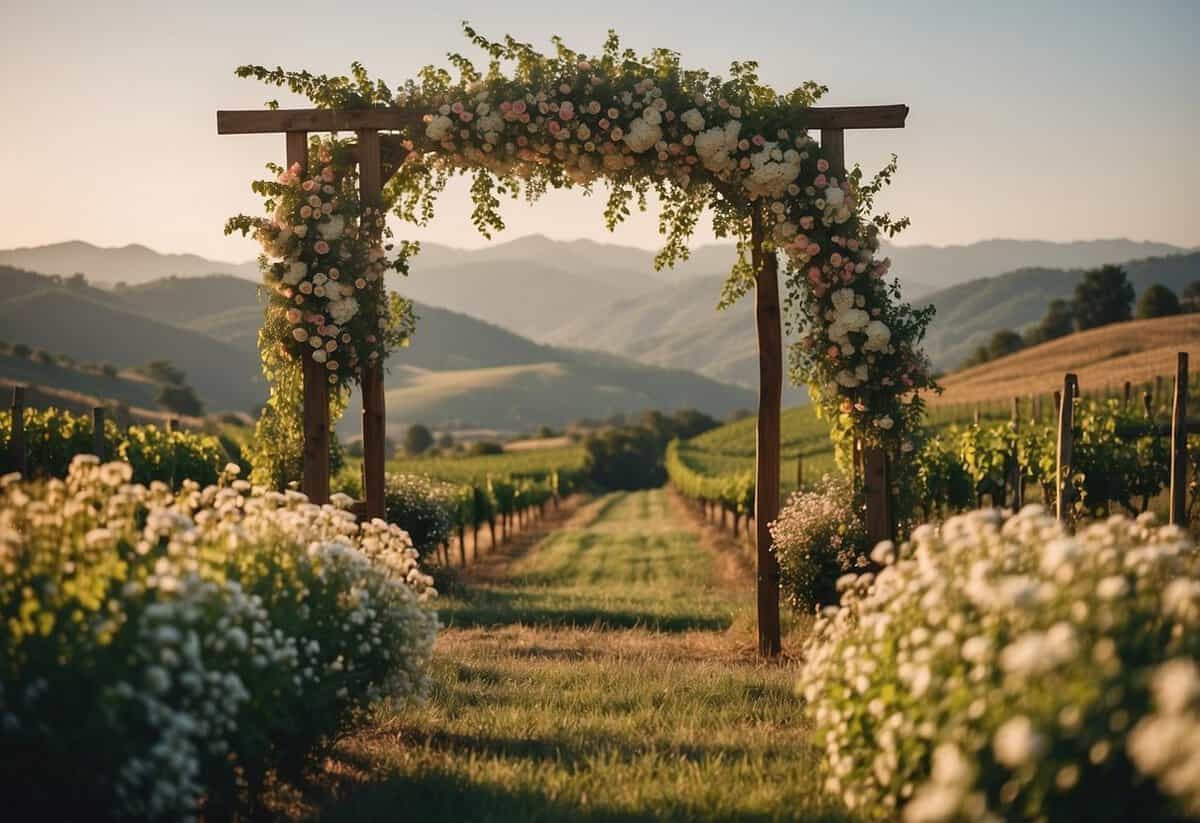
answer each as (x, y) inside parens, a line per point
(531, 463)
(730, 448)
(607, 674)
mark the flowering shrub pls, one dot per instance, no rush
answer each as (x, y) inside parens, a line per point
(645, 124)
(1006, 670)
(160, 649)
(424, 508)
(818, 537)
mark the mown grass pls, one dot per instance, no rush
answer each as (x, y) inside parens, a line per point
(608, 674)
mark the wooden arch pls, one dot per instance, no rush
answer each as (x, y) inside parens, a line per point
(379, 154)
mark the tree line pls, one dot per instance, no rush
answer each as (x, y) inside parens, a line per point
(1103, 297)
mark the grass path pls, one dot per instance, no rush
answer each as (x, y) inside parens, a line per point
(605, 674)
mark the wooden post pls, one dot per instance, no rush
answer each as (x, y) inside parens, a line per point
(16, 440)
(1179, 443)
(1158, 392)
(315, 479)
(1066, 426)
(374, 421)
(98, 432)
(1018, 482)
(767, 442)
(799, 471)
(1128, 393)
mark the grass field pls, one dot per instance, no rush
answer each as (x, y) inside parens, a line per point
(520, 463)
(730, 448)
(608, 673)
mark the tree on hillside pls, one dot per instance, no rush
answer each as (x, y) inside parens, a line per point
(417, 439)
(1103, 296)
(1003, 343)
(1190, 297)
(1059, 321)
(180, 399)
(1157, 301)
(164, 372)
(446, 441)
(977, 357)
(21, 350)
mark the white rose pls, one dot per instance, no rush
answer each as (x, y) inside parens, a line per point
(878, 336)
(835, 197)
(332, 228)
(693, 119)
(439, 127)
(295, 273)
(642, 135)
(843, 300)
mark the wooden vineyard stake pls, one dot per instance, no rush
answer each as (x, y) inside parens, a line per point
(1147, 404)
(1066, 427)
(768, 322)
(1179, 427)
(799, 472)
(16, 440)
(98, 432)
(1128, 394)
(1018, 484)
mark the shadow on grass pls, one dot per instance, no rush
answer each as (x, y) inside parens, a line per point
(494, 608)
(439, 795)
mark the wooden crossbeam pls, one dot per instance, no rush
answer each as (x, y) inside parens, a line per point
(268, 121)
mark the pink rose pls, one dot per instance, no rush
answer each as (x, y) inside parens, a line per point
(822, 165)
(814, 275)
(457, 108)
(758, 139)
(820, 182)
(833, 352)
(293, 315)
(466, 117)
(321, 247)
(813, 250)
(806, 223)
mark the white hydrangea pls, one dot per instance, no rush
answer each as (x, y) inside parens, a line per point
(716, 145)
(439, 128)
(643, 134)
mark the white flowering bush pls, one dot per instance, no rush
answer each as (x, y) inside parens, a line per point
(162, 654)
(1007, 670)
(818, 538)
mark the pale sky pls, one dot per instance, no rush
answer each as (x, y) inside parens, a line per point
(1049, 120)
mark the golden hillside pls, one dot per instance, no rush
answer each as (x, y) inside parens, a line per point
(1137, 351)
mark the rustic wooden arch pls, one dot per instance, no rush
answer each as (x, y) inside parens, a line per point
(379, 152)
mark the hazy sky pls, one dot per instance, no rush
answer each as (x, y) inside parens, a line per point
(1040, 120)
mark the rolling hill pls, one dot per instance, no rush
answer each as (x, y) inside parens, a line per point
(457, 367)
(941, 267)
(968, 314)
(59, 320)
(1102, 358)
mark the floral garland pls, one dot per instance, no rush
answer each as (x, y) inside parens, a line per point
(645, 124)
(323, 265)
(324, 257)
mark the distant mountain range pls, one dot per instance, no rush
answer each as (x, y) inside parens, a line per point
(457, 370)
(584, 294)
